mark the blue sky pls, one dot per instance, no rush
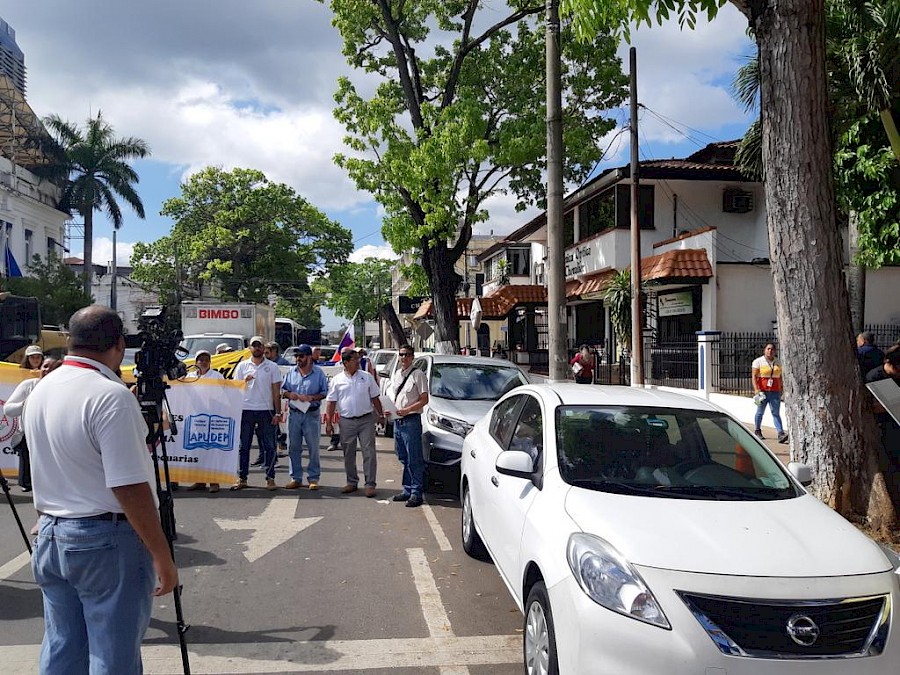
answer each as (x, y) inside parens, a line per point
(231, 83)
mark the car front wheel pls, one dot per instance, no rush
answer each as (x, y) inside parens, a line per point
(539, 640)
(472, 543)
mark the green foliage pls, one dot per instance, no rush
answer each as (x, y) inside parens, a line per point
(865, 181)
(364, 287)
(243, 236)
(616, 16)
(503, 272)
(617, 296)
(56, 286)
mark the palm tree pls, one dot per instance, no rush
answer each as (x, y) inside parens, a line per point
(91, 166)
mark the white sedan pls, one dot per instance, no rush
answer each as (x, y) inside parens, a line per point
(644, 532)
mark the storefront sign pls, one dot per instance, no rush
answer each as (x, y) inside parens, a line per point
(675, 304)
(576, 259)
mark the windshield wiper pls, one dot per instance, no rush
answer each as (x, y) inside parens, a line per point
(722, 492)
(618, 487)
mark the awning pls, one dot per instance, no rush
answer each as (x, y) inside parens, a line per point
(684, 263)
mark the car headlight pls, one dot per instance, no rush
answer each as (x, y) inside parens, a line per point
(451, 424)
(611, 581)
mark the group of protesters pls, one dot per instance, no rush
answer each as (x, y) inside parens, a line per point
(351, 403)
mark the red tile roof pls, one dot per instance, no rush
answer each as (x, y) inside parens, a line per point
(677, 264)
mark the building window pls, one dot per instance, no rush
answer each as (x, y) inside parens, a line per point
(519, 262)
(490, 268)
(569, 228)
(645, 206)
(597, 215)
(29, 246)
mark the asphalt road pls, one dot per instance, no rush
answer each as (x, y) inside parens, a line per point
(303, 582)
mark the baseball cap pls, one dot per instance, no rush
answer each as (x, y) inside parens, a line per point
(223, 347)
(255, 339)
(304, 349)
(32, 350)
(201, 352)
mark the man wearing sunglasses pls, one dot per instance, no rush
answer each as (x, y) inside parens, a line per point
(304, 387)
(409, 391)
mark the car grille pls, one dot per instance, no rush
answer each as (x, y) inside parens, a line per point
(793, 629)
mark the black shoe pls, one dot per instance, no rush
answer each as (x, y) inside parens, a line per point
(415, 500)
(782, 437)
(402, 497)
(26, 488)
(758, 434)
(258, 462)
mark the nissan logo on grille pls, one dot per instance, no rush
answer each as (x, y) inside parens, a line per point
(802, 630)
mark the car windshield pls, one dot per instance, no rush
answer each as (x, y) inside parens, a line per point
(666, 452)
(384, 358)
(473, 382)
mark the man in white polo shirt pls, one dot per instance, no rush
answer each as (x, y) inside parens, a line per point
(261, 412)
(354, 394)
(100, 553)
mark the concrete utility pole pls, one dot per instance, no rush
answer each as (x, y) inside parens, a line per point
(637, 337)
(556, 275)
(113, 290)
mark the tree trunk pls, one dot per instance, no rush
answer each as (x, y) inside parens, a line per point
(856, 278)
(88, 270)
(829, 429)
(443, 282)
(389, 316)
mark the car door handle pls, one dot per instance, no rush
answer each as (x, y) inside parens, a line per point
(495, 481)
(472, 454)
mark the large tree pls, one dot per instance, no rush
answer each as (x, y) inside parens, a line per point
(831, 426)
(92, 166)
(243, 238)
(459, 116)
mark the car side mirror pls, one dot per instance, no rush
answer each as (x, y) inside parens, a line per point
(515, 463)
(801, 472)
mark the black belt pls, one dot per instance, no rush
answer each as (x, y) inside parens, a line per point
(100, 516)
(358, 417)
(405, 417)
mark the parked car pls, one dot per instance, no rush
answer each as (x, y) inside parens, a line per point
(326, 353)
(648, 532)
(461, 389)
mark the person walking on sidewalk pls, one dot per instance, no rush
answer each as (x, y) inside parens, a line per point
(204, 371)
(583, 365)
(409, 390)
(354, 394)
(304, 387)
(335, 441)
(261, 413)
(766, 372)
(101, 554)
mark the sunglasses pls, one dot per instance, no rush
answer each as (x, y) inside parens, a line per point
(405, 353)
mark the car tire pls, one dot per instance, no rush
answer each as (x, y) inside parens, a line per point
(539, 635)
(471, 541)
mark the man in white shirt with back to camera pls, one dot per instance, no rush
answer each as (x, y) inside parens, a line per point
(100, 555)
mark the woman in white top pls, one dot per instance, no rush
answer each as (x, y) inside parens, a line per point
(203, 362)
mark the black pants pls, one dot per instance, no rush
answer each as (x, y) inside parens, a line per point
(24, 464)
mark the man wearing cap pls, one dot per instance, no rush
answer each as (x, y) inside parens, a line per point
(304, 387)
(223, 348)
(203, 361)
(261, 413)
(354, 394)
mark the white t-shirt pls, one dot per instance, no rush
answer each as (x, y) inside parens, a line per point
(208, 375)
(86, 436)
(353, 395)
(258, 391)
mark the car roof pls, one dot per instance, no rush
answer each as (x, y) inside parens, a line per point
(569, 393)
(469, 360)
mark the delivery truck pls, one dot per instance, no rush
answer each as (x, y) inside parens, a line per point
(206, 324)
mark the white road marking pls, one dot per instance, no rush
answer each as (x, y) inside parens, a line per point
(271, 528)
(451, 654)
(436, 528)
(14, 565)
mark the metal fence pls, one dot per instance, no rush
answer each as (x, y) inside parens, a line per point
(671, 364)
(886, 334)
(731, 358)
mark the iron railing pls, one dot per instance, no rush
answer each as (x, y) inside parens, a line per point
(731, 358)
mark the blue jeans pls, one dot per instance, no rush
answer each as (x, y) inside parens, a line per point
(259, 421)
(97, 579)
(408, 444)
(304, 427)
(773, 400)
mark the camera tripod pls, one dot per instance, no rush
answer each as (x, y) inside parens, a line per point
(4, 484)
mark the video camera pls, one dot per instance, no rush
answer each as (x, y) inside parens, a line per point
(158, 355)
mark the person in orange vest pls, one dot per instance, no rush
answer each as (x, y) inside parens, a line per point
(766, 372)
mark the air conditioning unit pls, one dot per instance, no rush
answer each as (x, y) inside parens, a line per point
(539, 273)
(737, 201)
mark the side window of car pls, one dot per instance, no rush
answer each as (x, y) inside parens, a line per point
(503, 419)
(529, 432)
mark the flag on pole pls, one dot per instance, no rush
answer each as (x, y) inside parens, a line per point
(346, 341)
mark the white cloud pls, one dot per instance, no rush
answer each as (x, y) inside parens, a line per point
(102, 254)
(370, 251)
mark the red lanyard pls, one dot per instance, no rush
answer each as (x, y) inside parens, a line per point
(79, 364)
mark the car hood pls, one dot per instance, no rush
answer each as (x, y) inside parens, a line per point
(798, 537)
(468, 411)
